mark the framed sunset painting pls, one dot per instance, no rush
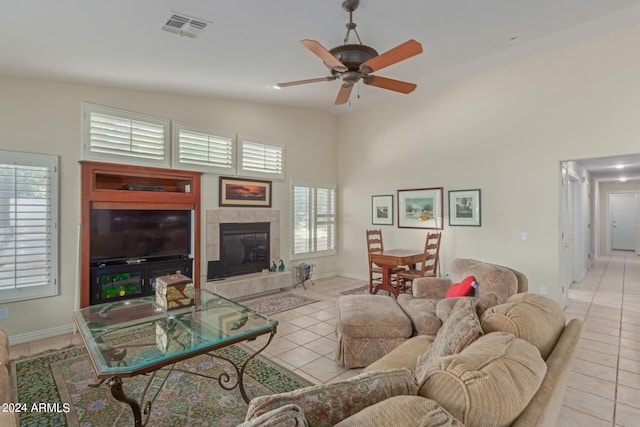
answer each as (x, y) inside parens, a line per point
(238, 192)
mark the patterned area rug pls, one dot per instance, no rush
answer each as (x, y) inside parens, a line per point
(61, 380)
(279, 303)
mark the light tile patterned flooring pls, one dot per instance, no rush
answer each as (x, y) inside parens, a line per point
(604, 385)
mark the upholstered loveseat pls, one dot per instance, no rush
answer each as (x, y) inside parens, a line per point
(507, 367)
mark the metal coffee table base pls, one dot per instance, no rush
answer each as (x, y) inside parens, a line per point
(225, 381)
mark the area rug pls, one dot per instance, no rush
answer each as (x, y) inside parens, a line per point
(279, 303)
(61, 380)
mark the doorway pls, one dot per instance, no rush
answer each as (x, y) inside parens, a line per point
(623, 217)
(567, 230)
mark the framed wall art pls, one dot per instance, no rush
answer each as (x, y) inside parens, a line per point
(382, 210)
(420, 208)
(238, 192)
(464, 208)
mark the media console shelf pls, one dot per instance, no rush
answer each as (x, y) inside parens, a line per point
(112, 186)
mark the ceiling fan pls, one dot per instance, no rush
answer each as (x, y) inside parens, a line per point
(354, 62)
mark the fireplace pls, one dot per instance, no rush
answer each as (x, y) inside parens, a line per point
(244, 248)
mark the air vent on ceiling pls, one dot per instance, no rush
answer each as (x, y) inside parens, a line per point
(185, 25)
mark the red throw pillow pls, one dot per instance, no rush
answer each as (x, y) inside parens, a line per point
(462, 289)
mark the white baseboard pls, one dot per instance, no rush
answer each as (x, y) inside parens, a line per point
(353, 276)
(69, 329)
(42, 334)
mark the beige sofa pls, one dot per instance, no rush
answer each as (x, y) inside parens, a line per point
(7, 418)
(507, 367)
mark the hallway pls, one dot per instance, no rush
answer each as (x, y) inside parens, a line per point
(604, 385)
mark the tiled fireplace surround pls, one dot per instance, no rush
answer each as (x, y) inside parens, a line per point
(247, 284)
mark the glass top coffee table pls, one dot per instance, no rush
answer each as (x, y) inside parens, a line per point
(136, 336)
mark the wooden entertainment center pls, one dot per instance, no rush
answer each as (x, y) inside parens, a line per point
(112, 186)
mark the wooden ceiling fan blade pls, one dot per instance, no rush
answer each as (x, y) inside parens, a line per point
(321, 52)
(399, 53)
(302, 82)
(390, 84)
(344, 94)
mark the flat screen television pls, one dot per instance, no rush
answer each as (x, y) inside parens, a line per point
(122, 234)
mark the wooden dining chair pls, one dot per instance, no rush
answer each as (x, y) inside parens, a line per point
(375, 245)
(428, 267)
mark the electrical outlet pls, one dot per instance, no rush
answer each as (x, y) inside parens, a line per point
(524, 236)
(4, 313)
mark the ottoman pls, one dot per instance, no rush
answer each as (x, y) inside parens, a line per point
(368, 327)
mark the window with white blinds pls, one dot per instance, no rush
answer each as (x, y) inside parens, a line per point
(203, 150)
(118, 136)
(260, 160)
(28, 226)
(314, 220)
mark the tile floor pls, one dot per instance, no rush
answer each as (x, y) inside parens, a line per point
(604, 386)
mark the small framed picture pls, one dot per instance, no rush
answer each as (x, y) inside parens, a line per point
(245, 193)
(420, 208)
(382, 210)
(464, 208)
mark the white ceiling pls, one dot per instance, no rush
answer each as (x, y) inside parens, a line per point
(613, 168)
(252, 44)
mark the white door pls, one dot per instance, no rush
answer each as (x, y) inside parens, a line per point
(624, 212)
(566, 236)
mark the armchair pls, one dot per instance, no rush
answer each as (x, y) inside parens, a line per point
(428, 307)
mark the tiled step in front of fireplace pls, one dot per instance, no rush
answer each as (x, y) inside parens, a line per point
(238, 287)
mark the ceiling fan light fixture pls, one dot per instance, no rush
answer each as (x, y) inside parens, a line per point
(352, 55)
(353, 63)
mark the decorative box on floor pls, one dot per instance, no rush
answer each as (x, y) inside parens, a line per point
(174, 291)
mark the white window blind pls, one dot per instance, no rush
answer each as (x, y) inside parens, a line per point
(261, 160)
(314, 220)
(28, 226)
(120, 136)
(203, 150)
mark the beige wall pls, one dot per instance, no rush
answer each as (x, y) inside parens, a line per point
(45, 117)
(503, 131)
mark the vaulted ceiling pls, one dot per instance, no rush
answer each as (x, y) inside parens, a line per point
(249, 45)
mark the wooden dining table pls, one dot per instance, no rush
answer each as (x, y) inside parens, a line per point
(391, 258)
